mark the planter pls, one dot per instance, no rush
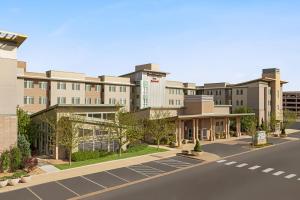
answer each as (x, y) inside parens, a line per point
(26, 179)
(3, 183)
(13, 182)
(196, 153)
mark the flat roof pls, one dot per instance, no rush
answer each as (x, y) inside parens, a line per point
(214, 115)
(16, 38)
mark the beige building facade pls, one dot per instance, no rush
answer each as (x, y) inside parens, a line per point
(9, 44)
(262, 95)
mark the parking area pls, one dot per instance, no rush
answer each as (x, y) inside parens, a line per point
(81, 185)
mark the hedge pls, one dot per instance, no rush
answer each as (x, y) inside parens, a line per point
(87, 155)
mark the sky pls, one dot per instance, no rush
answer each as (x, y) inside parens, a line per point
(194, 40)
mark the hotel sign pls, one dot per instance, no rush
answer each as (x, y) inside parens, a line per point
(260, 138)
(154, 80)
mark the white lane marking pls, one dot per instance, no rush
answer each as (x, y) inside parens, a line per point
(298, 179)
(242, 165)
(137, 172)
(37, 196)
(93, 181)
(221, 161)
(254, 167)
(230, 163)
(278, 173)
(268, 170)
(290, 176)
(67, 188)
(118, 177)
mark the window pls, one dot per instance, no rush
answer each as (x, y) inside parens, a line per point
(123, 101)
(42, 100)
(242, 92)
(61, 100)
(88, 100)
(98, 88)
(237, 92)
(237, 102)
(98, 101)
(28, 100)
(112, 101)
(28, 84)
(145, 102)
(61, 85)
(242, 102)
(43, 85)
(122, 88)
(75, 86)
(88, 87)
(75, 100)
(178, 102)
(171, 102)
(112, 88)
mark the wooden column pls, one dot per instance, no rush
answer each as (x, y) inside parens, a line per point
(197, 129)
(194, 130)
(212, 129)
(178, 132)
(238, 126)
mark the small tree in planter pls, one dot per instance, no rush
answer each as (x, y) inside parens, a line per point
(197, 147)
(289, 117)
(4, 161)
(15, 159)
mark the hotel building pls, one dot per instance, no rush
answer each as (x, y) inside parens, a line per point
(200, 112)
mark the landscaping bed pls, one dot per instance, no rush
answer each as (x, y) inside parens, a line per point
(138, 150)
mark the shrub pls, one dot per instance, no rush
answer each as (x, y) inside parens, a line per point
(30, 164)
(24, 146)
(197, 147)
(15, 159)
(4, 161)
(87, 155)
(138, 147)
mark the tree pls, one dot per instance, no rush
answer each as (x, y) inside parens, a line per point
(68, 133)
(160, 126)
(125, 128)
(24, 147)
(247, 121)
(289, 117)
(26, 126)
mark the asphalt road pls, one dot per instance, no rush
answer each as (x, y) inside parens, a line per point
(270, 173)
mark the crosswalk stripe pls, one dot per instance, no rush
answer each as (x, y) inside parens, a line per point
(221, 161)
(230, 163)
(278, 173)
(268, 170)
(290, 176)
(254, 167)
(242, 165)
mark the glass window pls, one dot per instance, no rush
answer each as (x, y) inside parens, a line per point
(75, 86)
(61, 85)
(98, 88)
(28, 84)
(43, 85)
(88, 87)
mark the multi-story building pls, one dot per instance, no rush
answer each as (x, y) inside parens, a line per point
(152, 89)
(291, 101)
(9, 44)
(262, 95)
(38, 91)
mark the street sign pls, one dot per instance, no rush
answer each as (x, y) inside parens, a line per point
(260, 138)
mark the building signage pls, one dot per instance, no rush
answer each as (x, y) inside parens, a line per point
(260, 138)
(154, 80)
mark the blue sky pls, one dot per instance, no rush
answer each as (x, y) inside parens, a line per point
(196, 41)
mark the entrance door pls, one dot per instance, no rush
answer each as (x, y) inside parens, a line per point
(190, 135)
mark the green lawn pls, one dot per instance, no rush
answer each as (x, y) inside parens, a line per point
(144, 151)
